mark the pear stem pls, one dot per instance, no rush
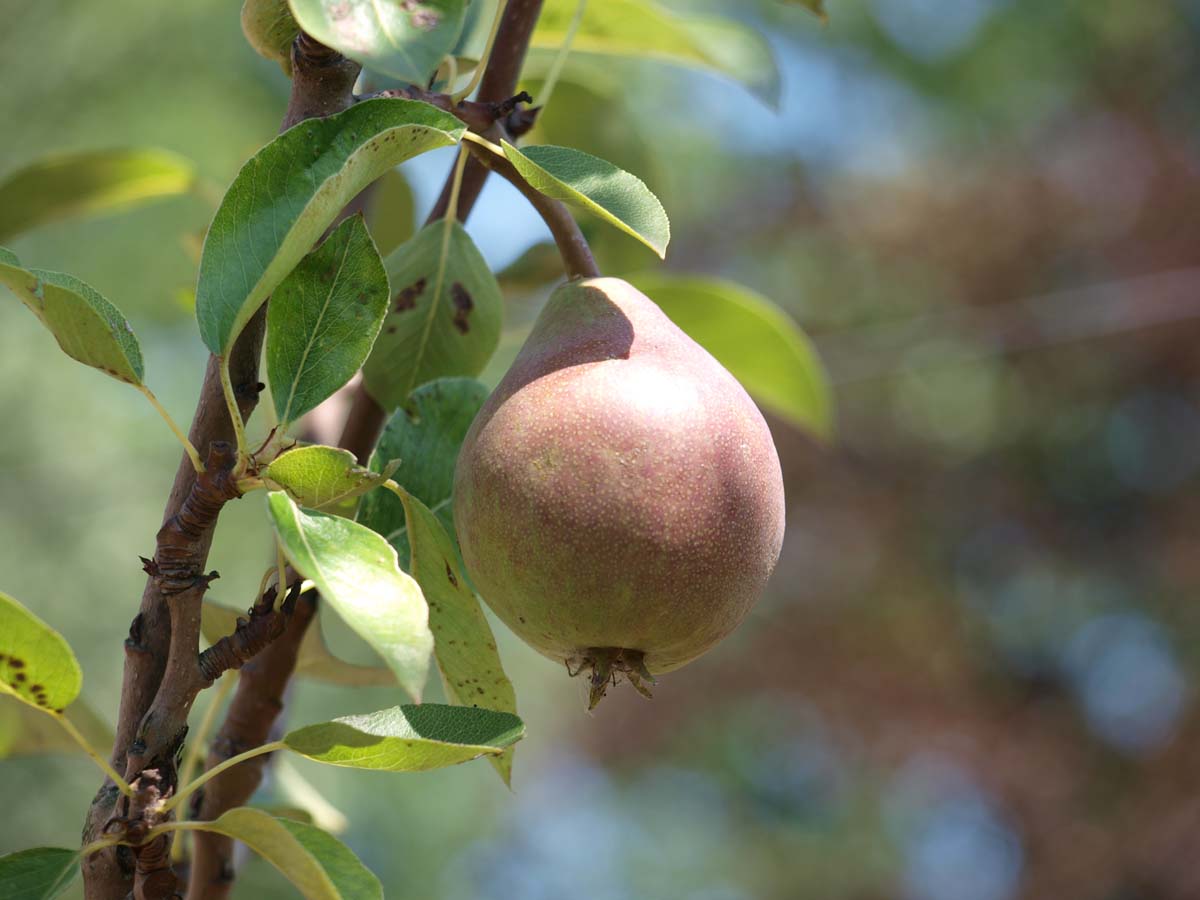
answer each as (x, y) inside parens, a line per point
(572, 246)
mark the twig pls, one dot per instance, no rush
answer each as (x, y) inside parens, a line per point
(322, 84)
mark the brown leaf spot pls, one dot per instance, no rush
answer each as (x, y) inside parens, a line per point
(463, 304)
(450, 575)
(21, 676)
(16, 663)
(407, 298)
(423, 17)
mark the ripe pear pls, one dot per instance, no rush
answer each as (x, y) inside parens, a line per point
(618, 499)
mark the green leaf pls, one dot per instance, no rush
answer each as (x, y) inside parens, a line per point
(405, 40)
(445, 315)
(39, 874)
(391, 212)
(87, 327)
(320, 477)
(357, 574)
(619, 198)
(643, 29)
(24, 731)
(408, 738)
(753, 339)
(93, 181)
(425, 435)
(294, 789)
(323, 319)
(288, 193)
(463, 643)
(270, 29)
(314, 659)
(318, 864)
(36, 663)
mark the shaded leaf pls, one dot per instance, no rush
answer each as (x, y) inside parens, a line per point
(86, 183)
(619, 198)
(314, 659)
(754, 339)
(36, 663)
(408, 738)
(323, 319)
(270, 29)
(643, 29)
(87, 327)
(357, 574)
(318, 864)
(391, 212)
(405, 40)
(444, 318)
(26, 732)
(425, 436)
(288, 193)
(463, 644)
(294, 788)
(320, 477)
(38, 874)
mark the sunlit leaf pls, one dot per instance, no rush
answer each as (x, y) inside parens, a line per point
(425, 435)
(408, 738)
(25, 731)
(619, 198)
(270, 29)
(405, 40)
(318, 864)
(86, 183)
(87, 327)
(323, 319)
(643, 29)
(754, 339)
(37, 665)
(444, 318)
(288, 193)
(38, 874)
(320, 477)
(463, 644)
(314, 659)
(391, 212)
(356, 572)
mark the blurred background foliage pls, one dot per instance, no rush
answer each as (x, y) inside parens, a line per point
(974, 675)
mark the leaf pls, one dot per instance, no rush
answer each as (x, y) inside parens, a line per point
(323, 319)
(270, 29)
(26, 732)
(391, 211)
(357, 574)
(288, 193)
(619, 198)
(408, 738)
(643, 29)
(445, 315)
(297, 790)
(425, 436)
(36, 663)
(38, 874)
(89, 182)
(314, 659)
(754, 340)
(463, 643)
(405, 39)
(318, 864)
(320, 477)
(87, 327)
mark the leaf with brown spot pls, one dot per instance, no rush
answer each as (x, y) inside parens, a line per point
(35, 654)
(444, 321)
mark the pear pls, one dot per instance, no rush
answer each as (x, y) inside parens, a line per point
(618, 499)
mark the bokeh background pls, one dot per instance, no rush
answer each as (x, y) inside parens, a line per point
(974, 675)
